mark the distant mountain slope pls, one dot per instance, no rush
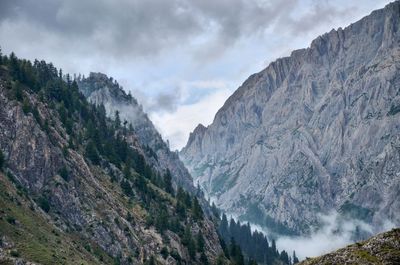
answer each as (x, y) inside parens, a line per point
(314, 132)
(381, 249)
(100, 89)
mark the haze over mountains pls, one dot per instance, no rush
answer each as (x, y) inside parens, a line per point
(315, 132)
(102, 90)
(307, 150)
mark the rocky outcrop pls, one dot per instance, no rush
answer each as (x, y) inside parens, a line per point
(100, 89)
(314, 132)
(381, 249)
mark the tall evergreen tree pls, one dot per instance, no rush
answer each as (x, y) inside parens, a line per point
(295, 259)
(236, 253)
(127, 169)
(126, 188)
(223, 228)
(200, 243)
(161, 221)
(273, 247)
(117, 119)
(215, 210)
(196, 209)
(1, 160)
(188, 241)
(91, 153)
(168, 182)
(284, 257)
(204, 259)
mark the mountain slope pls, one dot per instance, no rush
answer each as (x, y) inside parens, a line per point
(79, 186)
(381, 249)
(314, 132)
(100, 89)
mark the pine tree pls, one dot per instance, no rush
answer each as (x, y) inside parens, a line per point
(91, 153)
(273, 247)
(187, 236)
(223, 228)
(129, 217)
(192, 249)
(204, 259)
(180, 209)
(180, 194)
(196, 209)
(295, 259)
(236, 253)
(215, 210)
(232, 228)
(284, 257)
(198, 189)
(14, 66)
(168, 182)
(1, 160)
(188, 241)
(26, 107)
(18, 94)
(200, 243)
(126, 188)
(161, 221)
(220, 260)
(64, 173)
(117, 120)
(127, 169)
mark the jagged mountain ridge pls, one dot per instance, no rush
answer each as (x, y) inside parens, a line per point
(314, 132)
(100, 89)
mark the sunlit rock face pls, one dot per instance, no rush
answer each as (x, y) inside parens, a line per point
(314, 132)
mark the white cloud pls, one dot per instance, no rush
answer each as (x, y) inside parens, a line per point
(334, 234)
(176, 125)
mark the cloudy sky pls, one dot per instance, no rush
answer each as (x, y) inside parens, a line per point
(180, 58)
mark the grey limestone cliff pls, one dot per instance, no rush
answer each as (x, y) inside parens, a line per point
(313, 132)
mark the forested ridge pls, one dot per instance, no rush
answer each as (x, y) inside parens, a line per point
(109, 145)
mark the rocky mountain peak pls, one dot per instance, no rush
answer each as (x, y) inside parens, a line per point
(313, 132)
(103, 90)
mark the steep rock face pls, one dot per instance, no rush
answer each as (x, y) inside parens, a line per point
(381, 249)
(100, 89)
(313, 132)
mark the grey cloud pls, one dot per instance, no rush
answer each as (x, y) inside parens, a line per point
(123, 27)
(322, 12)
(167, 100)
(140, 28)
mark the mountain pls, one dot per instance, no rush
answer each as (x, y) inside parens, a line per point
(315, 132)
(79, 188)
(381, 249)
(102, 90)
